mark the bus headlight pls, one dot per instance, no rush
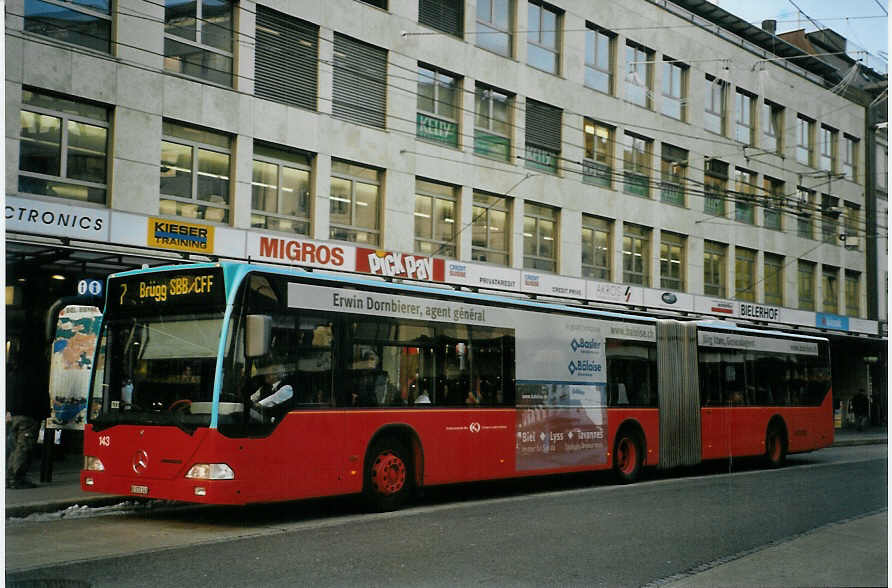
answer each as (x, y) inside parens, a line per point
(210, 471)
(93, 463)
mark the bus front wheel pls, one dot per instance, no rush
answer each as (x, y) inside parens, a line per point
(628, 456)
(388, 476)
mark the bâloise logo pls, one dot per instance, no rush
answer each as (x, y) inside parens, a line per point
(583, 367)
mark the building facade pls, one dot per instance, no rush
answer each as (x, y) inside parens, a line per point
(642, 156)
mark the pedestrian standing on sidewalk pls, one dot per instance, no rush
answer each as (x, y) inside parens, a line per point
(29, 405)
(861, 408)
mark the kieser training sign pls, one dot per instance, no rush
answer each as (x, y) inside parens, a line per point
(180, 236)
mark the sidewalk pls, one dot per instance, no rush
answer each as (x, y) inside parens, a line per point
(65, 491)
(815, 558)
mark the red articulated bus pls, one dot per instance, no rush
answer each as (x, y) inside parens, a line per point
(232, 384)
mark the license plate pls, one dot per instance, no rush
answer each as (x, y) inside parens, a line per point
(139, 489)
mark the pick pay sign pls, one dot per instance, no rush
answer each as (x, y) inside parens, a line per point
(399, 265)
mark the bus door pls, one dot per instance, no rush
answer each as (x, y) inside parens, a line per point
(289, 390)
(679, 394)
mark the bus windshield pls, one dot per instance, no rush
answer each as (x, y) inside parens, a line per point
(156, 369)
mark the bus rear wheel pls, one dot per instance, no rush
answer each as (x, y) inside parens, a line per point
(388, 476)
(775, 447)
(628, 457)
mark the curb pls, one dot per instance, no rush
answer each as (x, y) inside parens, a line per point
(855, 442)
(23, 510)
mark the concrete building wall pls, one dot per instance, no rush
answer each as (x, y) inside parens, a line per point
(141, 94)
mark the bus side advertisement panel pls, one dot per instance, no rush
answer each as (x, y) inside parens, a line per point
(561, 393)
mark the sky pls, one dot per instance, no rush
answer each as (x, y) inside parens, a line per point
(846, 17)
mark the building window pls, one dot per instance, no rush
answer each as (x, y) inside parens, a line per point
(195, 166)
(882, 167)
(745, 187)
(354, 203)
(853, 226)
(805, 207)
(714, 112)
(599, 58)
(672, 249)
(675, 75)
(853, 294)
(830, 288)
(772, 210)
(540, 237)
(744, 274)
(773, 270)
(382, 4)
(636, 255)
(87, 24)
(639, 74)
(543, 38)
(830, 219)
(772, 127)
(489, 229)
(359, 92)
(494, 23)
(804, 140)
(850, 158)
(636, 165)
(828, 149)
(543, 136)
(63, 148)
(743, 116)
(280, 190)
(444, 15)
(492, 127)
(596, 239)
(806, 283)
(715, 187)
(714, 269)
(597, 166)
(198, 39)
(435, 218)
(673, 169)
(285, 59)
(438, 106)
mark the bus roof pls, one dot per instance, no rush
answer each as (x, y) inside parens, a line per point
(235, 272)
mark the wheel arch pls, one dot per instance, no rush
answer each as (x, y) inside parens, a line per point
(406, 435)
(777, 422)
(631, 425)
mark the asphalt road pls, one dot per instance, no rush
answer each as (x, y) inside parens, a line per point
(572, 530)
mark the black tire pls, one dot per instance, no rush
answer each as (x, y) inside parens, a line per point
(628, 456)
(388, 475)
(775, 446)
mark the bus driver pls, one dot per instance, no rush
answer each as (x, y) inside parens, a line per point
(273, 393)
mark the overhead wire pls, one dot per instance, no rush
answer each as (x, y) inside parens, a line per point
(414, 79)
(726, 196)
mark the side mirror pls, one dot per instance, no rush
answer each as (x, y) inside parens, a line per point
(258, 331)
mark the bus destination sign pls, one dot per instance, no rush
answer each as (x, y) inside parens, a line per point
(187, 288)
